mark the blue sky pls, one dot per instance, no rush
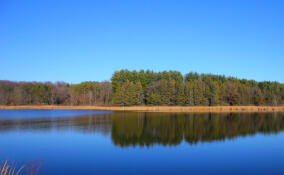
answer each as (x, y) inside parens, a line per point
(76, 41)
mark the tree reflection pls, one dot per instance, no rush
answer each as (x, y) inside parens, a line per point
(146, 129)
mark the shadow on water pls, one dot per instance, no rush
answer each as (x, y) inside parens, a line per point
(146, 129)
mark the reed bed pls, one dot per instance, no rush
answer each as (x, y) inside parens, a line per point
(10, 169)
(32, 168)
(198, 109)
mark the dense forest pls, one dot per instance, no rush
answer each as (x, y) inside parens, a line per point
(171, 88)
(146, 88)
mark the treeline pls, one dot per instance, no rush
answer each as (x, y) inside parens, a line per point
(172, 88)
(60, 93)
(146, 88)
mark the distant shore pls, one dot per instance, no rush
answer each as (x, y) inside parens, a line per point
(159, 108)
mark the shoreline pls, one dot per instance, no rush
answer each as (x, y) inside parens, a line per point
(192, 109)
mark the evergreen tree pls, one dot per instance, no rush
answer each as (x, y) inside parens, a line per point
(155, 99)
(165, 92)
(130, 94)
(189, 93)
(213, 93)
(180, 95)
(172, 92)
(198, 93)
(119, 95)
(139, 97)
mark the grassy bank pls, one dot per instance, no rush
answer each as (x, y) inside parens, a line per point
(160, 108)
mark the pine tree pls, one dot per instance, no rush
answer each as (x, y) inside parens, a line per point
(180, 96)
(164, 91)
(131, 98)
(198, 93)
(189, 93)
(119, 95)
(172, 91)
(213, 93)
(155, 99)
(139, 98)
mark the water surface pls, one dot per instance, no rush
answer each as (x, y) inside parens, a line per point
(103, 142)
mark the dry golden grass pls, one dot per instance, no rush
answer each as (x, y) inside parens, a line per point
(7, 169)
(160, 108)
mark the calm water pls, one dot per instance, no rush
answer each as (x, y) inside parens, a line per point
(101, 142)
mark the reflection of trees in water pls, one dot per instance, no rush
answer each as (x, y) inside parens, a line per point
(145, 129)
(170, 129)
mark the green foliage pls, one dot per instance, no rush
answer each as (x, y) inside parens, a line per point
(180, 94)
(189, 94)
(171, 88)
(154, 99)
(128, 93)
(164, 92)
(147, 88)
(213, 93)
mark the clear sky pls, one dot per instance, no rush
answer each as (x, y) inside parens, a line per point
(74, 41)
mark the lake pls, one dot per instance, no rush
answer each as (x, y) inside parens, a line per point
(104, 142)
